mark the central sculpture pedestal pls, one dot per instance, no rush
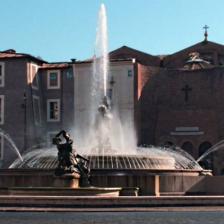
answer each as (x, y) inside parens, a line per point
(70, 180)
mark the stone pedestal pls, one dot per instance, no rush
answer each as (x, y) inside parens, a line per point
(157, 185)
(67, 180)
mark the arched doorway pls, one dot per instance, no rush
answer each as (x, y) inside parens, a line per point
(207, 162)
(204, 147)
(188, 147)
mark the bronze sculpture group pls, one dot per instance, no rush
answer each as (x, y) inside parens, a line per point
(68, 159)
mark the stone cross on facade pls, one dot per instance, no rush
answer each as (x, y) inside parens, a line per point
(206, 32)
(186, 90)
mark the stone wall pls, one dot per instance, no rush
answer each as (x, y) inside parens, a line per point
(148, 184)
(189, 185)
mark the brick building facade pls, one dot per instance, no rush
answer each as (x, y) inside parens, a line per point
(175, 99)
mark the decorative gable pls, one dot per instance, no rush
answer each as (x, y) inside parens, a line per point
(209, 51)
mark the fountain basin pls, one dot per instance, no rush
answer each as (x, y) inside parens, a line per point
(110, 162)
(143, 171)
(61, 191)
(148, 182)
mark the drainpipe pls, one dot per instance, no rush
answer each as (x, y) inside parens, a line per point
(25, 120)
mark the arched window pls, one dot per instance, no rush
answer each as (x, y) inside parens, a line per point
(207, 162)
(188, 147)
(168, 144)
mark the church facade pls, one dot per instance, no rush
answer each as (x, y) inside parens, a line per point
(172, 100)
(181, 104)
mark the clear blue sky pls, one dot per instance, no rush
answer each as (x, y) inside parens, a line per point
(58, 30)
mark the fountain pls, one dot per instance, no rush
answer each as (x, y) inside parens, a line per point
(118, 167)
(106, 145)
(114, 162)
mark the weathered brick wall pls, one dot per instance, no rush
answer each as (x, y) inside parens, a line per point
(146, 84)
(16, 84)
(164, 107)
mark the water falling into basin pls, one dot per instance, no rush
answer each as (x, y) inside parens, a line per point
(150, 158)
(12, 143)
(214, 148)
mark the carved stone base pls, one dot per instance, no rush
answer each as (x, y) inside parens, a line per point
(70, 180)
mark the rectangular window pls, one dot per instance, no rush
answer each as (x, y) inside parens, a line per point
(53, 110)
(53, 79)
(129, 73)
(37, 111)
(2, 108)
(2, 74)
(69, 74)
(34, 76)
(1, 147)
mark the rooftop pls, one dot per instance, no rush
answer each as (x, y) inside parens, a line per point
(11, 53)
